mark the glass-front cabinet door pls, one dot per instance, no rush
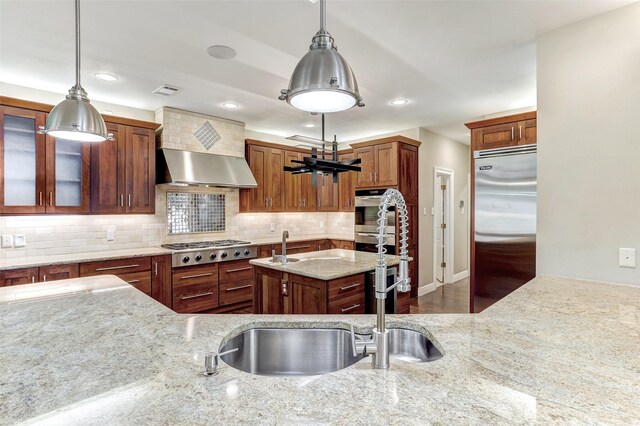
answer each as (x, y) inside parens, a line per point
(67, 176)
(22, 157)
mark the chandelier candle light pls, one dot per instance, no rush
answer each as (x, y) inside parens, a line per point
(75, 119)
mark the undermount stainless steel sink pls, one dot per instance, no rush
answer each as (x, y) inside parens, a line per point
(290, 351)
(314, 351)
(289, 260)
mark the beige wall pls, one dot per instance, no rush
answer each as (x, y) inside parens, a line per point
(589, 147)
(439, 151)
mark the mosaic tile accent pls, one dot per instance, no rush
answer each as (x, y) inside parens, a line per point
(207, 135)
(189, 213)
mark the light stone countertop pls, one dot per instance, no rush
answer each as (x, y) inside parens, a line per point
(327, 264)
(277, 238)
(89, 256)
(556, 351)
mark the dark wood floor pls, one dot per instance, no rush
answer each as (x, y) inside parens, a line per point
(448, 299)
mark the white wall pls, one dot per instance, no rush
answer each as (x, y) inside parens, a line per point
(589, 147)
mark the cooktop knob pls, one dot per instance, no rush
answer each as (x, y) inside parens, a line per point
(185, 259)
(247, 252)
(198, 258)
(236, 254)
(212, 256)
(224, 254)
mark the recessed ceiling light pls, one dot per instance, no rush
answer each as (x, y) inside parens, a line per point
(310, 125)
(230, 105)
(221, 52)
(106, 76)
(399, 102)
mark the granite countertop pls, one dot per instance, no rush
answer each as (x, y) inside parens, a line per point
(277, 239)
(554, 351)
(328, 264)
(33, 261)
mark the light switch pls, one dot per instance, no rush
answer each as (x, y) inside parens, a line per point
(111, 234)
(7, 241)
(627, 257)
(20, 240)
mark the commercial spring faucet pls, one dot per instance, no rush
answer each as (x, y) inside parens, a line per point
(378, 346)
(285, 235)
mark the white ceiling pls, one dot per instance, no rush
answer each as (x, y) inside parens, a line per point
(453, 60)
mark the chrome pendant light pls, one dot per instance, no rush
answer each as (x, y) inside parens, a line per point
(322, 81)
(75, 118)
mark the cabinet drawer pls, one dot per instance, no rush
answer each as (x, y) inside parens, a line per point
(195, 288)
(140, 280)
(194, 275)
(236, 292)
(349, 305)
(346, 287)
(115, 267)
(234, 272)
(302, 247)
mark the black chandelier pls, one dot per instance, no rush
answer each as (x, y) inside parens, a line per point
(323, 162)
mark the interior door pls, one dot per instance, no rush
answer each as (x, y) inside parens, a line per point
(22, 156)
(440, 229)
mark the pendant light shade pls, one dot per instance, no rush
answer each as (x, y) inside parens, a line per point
(75, 118)
(322, 81)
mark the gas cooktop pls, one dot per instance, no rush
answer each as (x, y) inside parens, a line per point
(202, 252)
(206, 244)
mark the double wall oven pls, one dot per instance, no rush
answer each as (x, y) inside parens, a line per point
(366, 222)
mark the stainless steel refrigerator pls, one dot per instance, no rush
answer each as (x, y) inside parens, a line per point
(504, 222)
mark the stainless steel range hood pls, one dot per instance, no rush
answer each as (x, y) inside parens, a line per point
(177, 167)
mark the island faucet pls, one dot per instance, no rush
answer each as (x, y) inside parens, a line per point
(378, 345)
(283, 258)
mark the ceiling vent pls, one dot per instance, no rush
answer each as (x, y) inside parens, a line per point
(165, 90)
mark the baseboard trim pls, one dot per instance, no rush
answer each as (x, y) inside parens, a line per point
(460, 276)
(425, 289)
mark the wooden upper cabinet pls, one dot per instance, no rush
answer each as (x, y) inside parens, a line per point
(67, 176)
(503, 132)
(140, 176)
(408, 173)
(267, 166)
(22, 161)
(292, 184)
(123, 171)
(328, 194)
(347, 191)
(386, 160)
(368, 166)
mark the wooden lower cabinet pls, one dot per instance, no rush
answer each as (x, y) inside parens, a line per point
(18, 276)
(161, 280)
(195, 288)
(306, 296)
(235, 282)
(268, 292)
(139, 280)
(58, 272)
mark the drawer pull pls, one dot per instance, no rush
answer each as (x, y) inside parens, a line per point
(209, 293)
(350, 308)
(349, 287)
(298, 247)
(133, 281)
(111, 268)
(240, 269)
(196, 276)
(239, 288)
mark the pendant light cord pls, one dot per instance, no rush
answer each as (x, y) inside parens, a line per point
(78, 44)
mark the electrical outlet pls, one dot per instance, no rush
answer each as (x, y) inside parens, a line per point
(19, 240)
(272, 227)
(424, 212)
(111, 234)
(627, 257)
(7, 241)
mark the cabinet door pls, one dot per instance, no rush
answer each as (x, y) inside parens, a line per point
(408, 173)
(307, 296)
(161, 279)
(386, 160)
(527, 132)
(107, 172)
(67, 177)
(368, 166)
(58, 272)
(328, 200)
(268, 297)
(346, 191)
(140, 174)
(498, 136)
(275, 180)
(308, 193)
(292, 184)
(18, 276)
(22, 157)
(257, 197)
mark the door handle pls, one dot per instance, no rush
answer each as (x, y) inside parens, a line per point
(239, 288)
(349, 287)
(520, 131)
(196, 276)
(209, 293)
(121, 200)
(111, 268)
(40, 197)
(129, 200)
(44, 278)
(240, 269)
(51, 198)
(350, 308)
(512, 133)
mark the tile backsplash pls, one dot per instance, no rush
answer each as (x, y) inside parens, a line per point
(55, 234)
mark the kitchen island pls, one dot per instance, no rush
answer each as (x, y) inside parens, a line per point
(322, 282)
(96, 351)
